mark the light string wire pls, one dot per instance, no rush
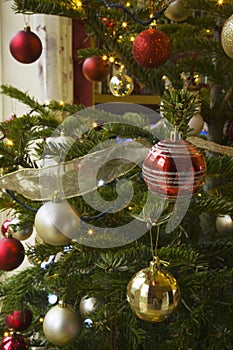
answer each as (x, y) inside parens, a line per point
(131, 15)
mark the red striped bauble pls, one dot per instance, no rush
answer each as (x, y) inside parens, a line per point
(174, 169)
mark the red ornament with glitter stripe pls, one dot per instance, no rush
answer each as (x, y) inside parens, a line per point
(174, 169)
(151, 48)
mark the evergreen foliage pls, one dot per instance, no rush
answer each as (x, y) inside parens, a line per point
(196, 254)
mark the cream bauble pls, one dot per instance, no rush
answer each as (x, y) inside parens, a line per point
(226, 37)
(62, 325)
(176, 11)
(196, 125)
(88, 305)
(224, 225)
(57, 223)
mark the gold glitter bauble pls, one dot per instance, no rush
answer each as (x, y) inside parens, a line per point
(153, 293)
(227, 37)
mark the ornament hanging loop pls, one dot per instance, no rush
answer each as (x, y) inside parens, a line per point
(26, 21)
(175, 135)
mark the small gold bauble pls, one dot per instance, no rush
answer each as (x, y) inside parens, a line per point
(226, 37)
(121, 85)
(153, 293)
(176, 11)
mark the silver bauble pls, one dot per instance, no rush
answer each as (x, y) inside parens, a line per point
(224, 225)
(196, 124)
(226, 37)
(89, 305)
(121, 85)
(56, 223)
(23, 234)
(176, 11)
(62, 325)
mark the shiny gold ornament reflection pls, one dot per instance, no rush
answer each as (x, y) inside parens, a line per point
(121, 84)
(153, 293)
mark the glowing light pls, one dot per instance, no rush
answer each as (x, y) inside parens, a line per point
(128, 4)
(132, 38)
(111, 59)
(6, 334)
(78, 4)
(88, 323)
(52, 299)
(220, 2)
(90, 232)
(9, 142)
(124, 24)
(94, 124)
(199, 194)
(101, 183)
(41, 319)
(104, 57)
(61, 103)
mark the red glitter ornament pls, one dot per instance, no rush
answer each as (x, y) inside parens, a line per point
(151, 48)
(174, 169)
(14, 342)
(25, 46)
(11, 253)
(20, 320)
(95, 69)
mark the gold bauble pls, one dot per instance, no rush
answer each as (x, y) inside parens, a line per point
(176, 11)
(227, 37)
(153, 293)
(62, 325)
(56, 223)
(121, 85)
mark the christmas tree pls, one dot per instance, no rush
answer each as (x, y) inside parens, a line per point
(131, 204)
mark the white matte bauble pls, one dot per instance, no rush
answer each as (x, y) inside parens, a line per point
(224, 225)
(62, 325)
(226, 37)
(121, 85)
(196, 125)
(89, 305)
(176, 11)
(56, 223)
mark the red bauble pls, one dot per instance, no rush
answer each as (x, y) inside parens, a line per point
(5, 226)
(151, 48)
(20, 320)
(11, 253)
(25, 46)
(174, 169)
(95, 69)
(14, 342)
